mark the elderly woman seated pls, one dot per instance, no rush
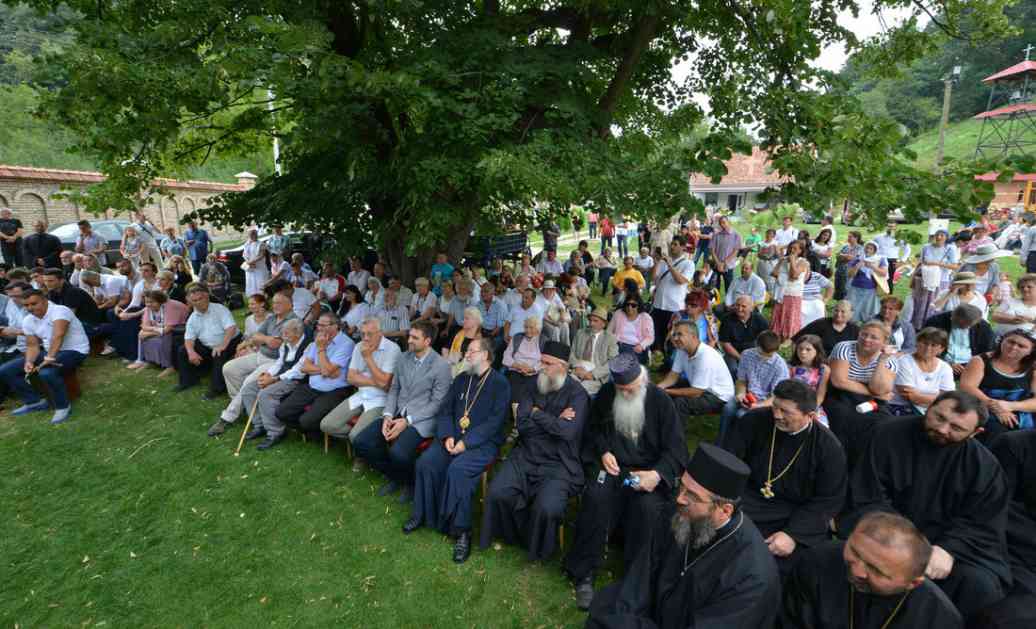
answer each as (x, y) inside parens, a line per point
(470, 330)
(522, 359)
(903, 335)
(1004, 381)
(161, 316)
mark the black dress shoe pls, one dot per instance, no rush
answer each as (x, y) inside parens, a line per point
(462, 547)
(411, 525)
(255, 433)
(269, 442)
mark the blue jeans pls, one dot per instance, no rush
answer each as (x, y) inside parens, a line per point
(13, 373)
(620, 243)
(731, 412)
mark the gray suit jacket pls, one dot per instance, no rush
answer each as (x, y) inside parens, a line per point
(418, 389)
(606, 349)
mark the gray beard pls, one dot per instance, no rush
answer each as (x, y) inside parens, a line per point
(549, 384)
(629, 413)
(699, 533)
(474, 370)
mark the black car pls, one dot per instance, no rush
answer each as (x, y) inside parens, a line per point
(111, 230)
(309, 244)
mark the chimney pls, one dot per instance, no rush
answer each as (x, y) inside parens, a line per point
(246, 179)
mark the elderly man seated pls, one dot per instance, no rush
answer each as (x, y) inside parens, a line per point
(55, 344)
(210, 340)
(969, 334)
(325, 366)
(554, 315)
(522, 359)
(252, 357)
(394, 318)
(746, 283)
(370, 370)
(592, 349)
(108, 292)
(738, 330)
(275, 382)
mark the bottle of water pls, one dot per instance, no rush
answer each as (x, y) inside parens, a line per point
(631, 481)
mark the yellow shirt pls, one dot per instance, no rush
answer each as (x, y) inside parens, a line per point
(619, 279)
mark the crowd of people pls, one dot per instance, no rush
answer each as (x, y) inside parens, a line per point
(872, 467)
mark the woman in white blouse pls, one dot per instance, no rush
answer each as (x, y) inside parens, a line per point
(961, 291)
(256, 271)
(922, 375)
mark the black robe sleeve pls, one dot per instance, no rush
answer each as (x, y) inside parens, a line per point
(809, 521)
(674, 458)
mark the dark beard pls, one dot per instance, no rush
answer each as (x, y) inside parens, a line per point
(698, 533)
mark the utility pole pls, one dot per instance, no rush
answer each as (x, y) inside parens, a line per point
(948, 82)
(276, 140)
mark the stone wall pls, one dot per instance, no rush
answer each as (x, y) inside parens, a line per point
(30, 193)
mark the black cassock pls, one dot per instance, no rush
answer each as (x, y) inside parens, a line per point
(956, 495)
(606, 502)
(807, 496)
(1017, 454)
(445, 484)
(816, 596)
(530, 490)
(730, 584)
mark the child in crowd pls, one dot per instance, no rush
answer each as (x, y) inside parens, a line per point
(809, 364)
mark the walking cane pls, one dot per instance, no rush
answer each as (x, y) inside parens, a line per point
(248, 424)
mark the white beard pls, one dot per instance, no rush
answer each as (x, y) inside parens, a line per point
(629, 412)
(549, 384)
(699, 533)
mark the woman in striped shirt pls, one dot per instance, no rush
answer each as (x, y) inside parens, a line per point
(862, 371)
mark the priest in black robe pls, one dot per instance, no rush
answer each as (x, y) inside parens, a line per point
(637, 451)
(468, 436)
(874, 580)
(529, 492)
(932, 471)
(1017, 454)
(705, 565)
(798, 477)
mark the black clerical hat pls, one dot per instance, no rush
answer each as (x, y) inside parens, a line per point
(625, 368)
(557, 350)
(719, 471)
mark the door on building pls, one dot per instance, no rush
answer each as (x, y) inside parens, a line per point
(732, 200)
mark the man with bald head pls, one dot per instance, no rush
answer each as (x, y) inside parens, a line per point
(875, 579)
(11, 239)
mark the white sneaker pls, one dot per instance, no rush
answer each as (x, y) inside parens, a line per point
(61, 415)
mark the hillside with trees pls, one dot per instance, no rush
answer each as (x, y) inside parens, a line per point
(30, 140)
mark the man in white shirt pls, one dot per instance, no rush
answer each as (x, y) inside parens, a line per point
(644, 264)
(209, 342)
(108, 291)
(672, 276)
(513, 297)
(746, 283)
(14, 312)
(424, 304)
(358, 275)
(370, 370)
(549, 264)
(404, 294)
(55, 345)
(889, 249)
(527, 308)
(709, 385)
(786, 235)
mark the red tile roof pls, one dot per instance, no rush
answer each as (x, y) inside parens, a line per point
(1017, 177)
(1006, 110)
(743, 172)
(1015, 72)
(90, 177)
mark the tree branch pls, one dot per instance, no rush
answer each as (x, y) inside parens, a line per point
(643, 33)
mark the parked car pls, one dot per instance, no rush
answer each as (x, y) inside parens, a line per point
(111, 230)
(309, 244)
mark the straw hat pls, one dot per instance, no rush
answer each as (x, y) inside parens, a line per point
(964, 277)
(985, 253)
(601, 313)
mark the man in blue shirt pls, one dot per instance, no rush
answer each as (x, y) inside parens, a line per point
(199, 244)
(442, 271)
(326, 363)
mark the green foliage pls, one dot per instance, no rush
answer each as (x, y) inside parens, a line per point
(408, 125)
(774, 217)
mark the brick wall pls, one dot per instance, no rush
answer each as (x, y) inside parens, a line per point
(33, 194)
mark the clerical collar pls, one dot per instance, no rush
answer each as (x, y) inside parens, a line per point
(800, 430)
(687, 565)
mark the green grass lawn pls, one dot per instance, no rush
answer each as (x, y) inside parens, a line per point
(129, 515)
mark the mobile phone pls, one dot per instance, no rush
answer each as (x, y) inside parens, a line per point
(601, 476)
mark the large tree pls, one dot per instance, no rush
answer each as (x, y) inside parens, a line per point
(408, 123)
